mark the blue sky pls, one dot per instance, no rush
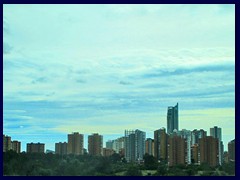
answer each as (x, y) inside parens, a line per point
(107, 68)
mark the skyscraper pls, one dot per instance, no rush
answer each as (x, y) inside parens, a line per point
(231, 150)
(149, 145)
(172, 118)
(134, 145)
(95, 144)
(7, 145)
(61, 148)
(75, 144)
(160, 144)
(209, 150)
(176, 150)
(16, 146)
(217, 133)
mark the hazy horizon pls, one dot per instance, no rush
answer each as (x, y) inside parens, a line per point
(106, 68)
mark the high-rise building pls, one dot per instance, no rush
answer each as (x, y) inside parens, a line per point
(172, 118)
(160, 144)
(7, 145)
(196, 135)
(149, 146)
(16, 146)
(176, 150)
(35, 147)
(109, 144)
(61, 148)
(217, 133)
(118, 144)
(195, 154)
(75, 144)
(231, 150)
(209, 149)
(186, 134)
(134, 145)
(95, 144)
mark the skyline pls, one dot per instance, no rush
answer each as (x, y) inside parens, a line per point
(107, 68)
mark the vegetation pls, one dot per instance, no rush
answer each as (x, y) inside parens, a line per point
(85, 165)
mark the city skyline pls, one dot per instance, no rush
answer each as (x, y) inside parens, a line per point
(106, 68)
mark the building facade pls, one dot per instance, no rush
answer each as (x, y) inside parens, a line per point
(16, 146)
(95, 144)
(209, 149)
(61, 148)
(231, 150)
(149, 146)
(176, 150)
(7, 144)
(35, 148)
(216, 132)
(134, 145)
(75, 144)
(160, 144)
(172, 118)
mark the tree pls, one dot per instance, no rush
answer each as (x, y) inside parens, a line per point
(133, 170)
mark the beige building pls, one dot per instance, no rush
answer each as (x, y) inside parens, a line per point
(160, 144)
(7, 144)
(95, 144)
(35, 148)
(16, 146)
(176, 150)
(61, 148)
(209, 150)
(149, 146)
(75, 144)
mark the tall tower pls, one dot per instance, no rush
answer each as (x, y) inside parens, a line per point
(172, 118)
(6, 143)
(75, 143)
(176, 150)
(160, 144)
(95, 144)
(208, 147)
(217, 133)
(134, 145)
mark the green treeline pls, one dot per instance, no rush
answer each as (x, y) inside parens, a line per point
(25, 164)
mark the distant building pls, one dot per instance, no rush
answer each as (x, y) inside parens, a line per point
(217, 133)
(35, 147)
(196, 135)
(118, 144)
(225, 157)
(209, 149)
(195, 154)
(231, 150)
(16, 146)
(134, 145)
(176, 150)
(172, 118)
(160, 144)
(61, 148)
(95, 144)
(149, 146)
(75, 144)
(7, 144)
(109, 144)
(107, 152)
(186, 134)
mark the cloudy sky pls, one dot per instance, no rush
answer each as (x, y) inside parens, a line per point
(107, 68)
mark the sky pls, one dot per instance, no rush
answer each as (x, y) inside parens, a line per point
(106, 68)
